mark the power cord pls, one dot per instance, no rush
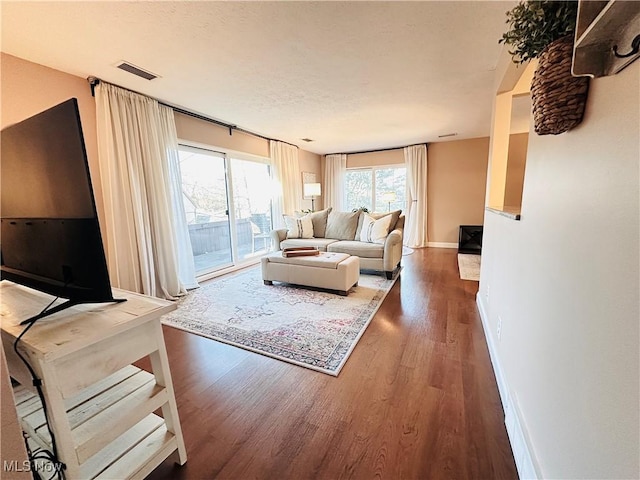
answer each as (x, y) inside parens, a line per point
(42, 454)
(39, 454)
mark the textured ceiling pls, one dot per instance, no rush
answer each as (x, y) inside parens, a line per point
(350, 75)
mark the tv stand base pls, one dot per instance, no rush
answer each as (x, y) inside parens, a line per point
(64, 306)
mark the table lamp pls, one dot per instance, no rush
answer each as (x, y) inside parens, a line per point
(389, 197)
(312, 190)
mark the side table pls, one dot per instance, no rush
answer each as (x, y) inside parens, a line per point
(100, 406)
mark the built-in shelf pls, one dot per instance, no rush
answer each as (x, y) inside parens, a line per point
(601, 25)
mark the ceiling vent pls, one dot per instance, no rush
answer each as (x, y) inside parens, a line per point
(306, 140)
(128, 67)
(447, 135)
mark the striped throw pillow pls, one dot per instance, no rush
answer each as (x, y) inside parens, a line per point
(374, 231)
(298, 227)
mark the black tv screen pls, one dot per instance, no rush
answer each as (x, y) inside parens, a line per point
(50, 236)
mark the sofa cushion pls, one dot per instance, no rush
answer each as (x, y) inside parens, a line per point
(298, 227)
(360, 249)
(342, 225)
(319, 243)
(374, 231)
(395, 215)
(319, 220)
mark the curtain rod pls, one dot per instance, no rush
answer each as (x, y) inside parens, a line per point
(93, 81)
(378, 150)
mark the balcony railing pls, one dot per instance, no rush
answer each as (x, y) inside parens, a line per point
(211, 242)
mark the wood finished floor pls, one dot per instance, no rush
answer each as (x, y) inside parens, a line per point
(417, 399)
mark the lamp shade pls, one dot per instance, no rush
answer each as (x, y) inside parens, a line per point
(311, 189)
(389, 197)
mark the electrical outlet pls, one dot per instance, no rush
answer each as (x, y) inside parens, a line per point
(499, 329)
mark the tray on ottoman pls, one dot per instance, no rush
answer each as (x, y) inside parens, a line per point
(333, 271)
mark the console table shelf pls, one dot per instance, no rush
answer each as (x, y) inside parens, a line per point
(100, 406)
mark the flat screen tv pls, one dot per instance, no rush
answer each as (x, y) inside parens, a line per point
(50, 237)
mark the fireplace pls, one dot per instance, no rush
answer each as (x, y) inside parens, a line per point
(470, 239)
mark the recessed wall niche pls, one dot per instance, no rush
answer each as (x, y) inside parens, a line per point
(517, 153)
(509, 141)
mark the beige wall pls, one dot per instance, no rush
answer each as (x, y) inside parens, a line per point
(515, 169)
(565, 281)
(456, 180)
(376, 159)
(207, 133)
(28, 88)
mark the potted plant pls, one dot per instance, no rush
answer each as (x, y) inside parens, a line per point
(544, 29)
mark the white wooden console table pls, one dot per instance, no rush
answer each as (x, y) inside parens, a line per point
(100, 406)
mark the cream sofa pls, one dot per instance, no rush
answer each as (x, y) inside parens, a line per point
(340, 232)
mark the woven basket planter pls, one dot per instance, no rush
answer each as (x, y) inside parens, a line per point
(558, 98)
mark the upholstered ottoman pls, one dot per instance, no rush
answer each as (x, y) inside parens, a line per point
(333, 271)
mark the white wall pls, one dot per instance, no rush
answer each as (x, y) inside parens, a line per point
(565, 281)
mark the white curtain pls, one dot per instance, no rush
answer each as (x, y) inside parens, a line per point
(139, 169)
(335, 167)
(415, 233)
(286, 175)
(186, 264)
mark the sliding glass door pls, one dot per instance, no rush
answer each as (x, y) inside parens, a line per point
(204, 189)
(252, 206)
(227, 207)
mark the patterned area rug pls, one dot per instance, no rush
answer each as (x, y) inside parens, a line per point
(469, 266)
(310, 328)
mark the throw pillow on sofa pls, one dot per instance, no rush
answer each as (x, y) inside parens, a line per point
(342, 225)
(298, 227)
(319, 220)
(395, 215)
(374, 230)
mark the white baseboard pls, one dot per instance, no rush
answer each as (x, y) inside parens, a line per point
(442, 245)
(515, 429)
(497, 369)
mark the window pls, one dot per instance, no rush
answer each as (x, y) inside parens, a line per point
(359, 188)
(379, 189)
(227, 208)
